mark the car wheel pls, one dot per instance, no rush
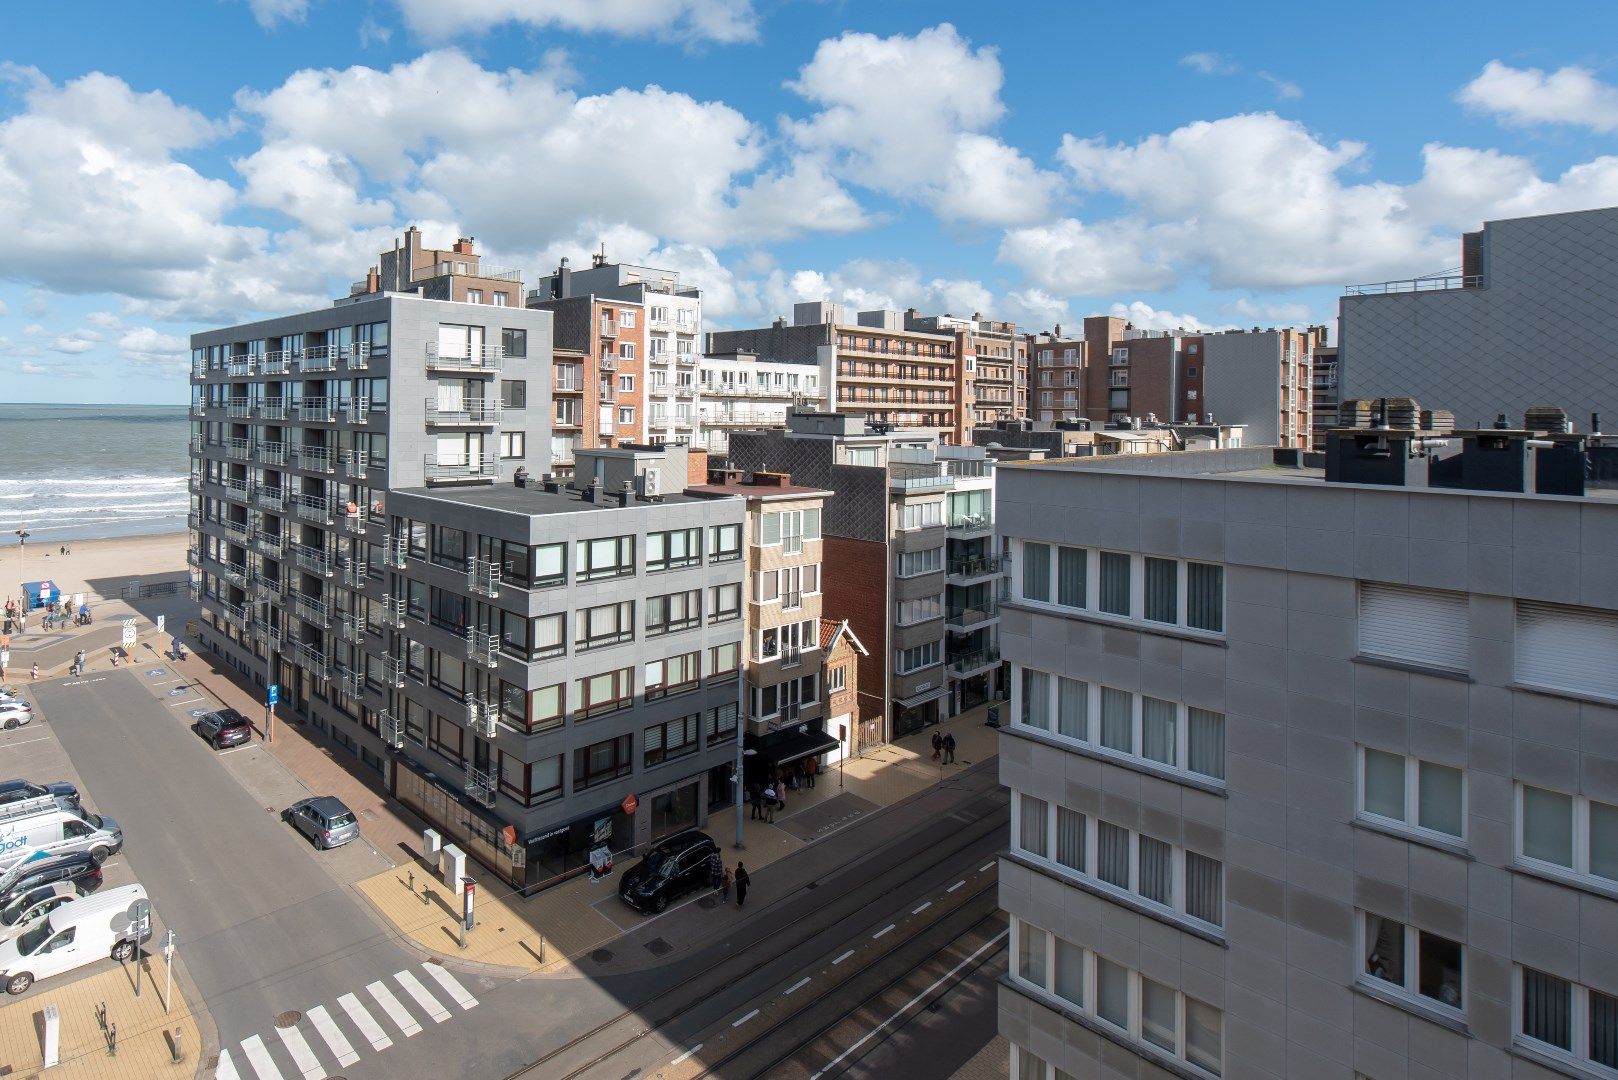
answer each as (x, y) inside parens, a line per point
(19, 983)
(123, 951)
(99, 854)
(661, 904)
(218, 744)
(11, 723)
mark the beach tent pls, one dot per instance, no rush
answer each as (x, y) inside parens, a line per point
(40, 593)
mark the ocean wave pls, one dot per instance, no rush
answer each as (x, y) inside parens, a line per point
(104, 508)
(135, 480)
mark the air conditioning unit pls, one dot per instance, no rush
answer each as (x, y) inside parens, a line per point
(651, 483)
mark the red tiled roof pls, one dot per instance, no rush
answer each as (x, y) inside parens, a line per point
(828, 631)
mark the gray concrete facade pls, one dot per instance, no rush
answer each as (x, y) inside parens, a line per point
(1532, 322)
(1280, 971)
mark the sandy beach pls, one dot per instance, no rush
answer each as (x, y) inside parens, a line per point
(97, 567)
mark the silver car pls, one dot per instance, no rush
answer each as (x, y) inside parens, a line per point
(324, 820)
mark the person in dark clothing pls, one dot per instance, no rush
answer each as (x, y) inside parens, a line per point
(756, 799)
(949, 749)
(742, 882)
(938, 745)
(716, 870)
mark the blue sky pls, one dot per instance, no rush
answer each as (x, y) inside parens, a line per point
(166, 167)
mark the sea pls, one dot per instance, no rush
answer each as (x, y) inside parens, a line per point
(89, 472)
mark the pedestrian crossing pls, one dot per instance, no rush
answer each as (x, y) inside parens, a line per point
(319, 1044)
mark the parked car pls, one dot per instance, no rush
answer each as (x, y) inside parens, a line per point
(14, 714)
(56, 830)
(72, 936)
(78, 868)
(672, 868)
(324, 820)
(15, 791)
(224, 728)
(35, 904)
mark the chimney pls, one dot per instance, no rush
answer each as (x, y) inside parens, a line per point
(552, 484)
(696, 464)
(463, 246)
(626, 493)
(1595, 423)
(1057, 333)
(1501, 423)
(592, 494)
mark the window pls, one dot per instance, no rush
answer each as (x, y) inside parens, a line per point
(1567, 649)
(1572, 1021)
(1568, 833)
(626, 317)
(449, 547)
(1036, 572)
(1115, 582)
(837, 678)
(723, 660)
(606, 760)
(910, 612)
(474, 296)
(605, 624)
(611, 556)
(674, 549)
(789, 528)
(498, 299)
(550, 565)
(626, 415)
(724, 543)
(513, 392)
(513, 444)
(1071, 576)
(1162, 590)
(673, 611)
(1419, 794)
(1436, 974)
(626, 351)
(1036, 699)
(626, 384)
(445, 737)
(1416, 626)
(674, 675)
(725, 602)
(908, 660)
(1032, 825)
(605, 693)
(721, 725)
(915, 563)
(921, 515)
(670, 741)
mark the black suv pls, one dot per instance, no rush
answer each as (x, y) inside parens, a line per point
(12, 791)
(80, 868)
(671, 869)
(227, 727)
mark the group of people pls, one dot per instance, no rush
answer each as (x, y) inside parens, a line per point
(944, 748)
(58, 613)
(771, 795)
(723, 878)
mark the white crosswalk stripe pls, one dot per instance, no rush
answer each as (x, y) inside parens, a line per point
(299, 1048)
(258, 1056)
(413, 987)
(341, 1048)
(226, 1069)
(396, 1012)
(365, 1022)
(451, 985)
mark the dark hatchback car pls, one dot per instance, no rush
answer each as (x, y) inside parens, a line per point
(13, 791)
(671, 869)
(80, 868)
(224, 728)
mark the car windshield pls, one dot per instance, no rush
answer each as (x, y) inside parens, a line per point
(96, 820)
(34, 937)
(656, 859)
(13, 911)
(339, 820)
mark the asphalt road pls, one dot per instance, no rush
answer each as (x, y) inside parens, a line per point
(262, 927)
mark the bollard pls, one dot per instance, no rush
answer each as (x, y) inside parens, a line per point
(542, 948)
(179, 1055)
(53, 1036)
(412, 885)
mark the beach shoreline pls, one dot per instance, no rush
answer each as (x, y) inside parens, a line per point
(101, 567)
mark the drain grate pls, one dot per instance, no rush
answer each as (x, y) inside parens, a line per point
(659, 947)
(288, 1019)
(601, 956)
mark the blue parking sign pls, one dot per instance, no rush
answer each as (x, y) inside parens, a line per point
(274, 694)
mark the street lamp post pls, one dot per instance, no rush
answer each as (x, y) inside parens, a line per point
(269, 667)
(22, 560)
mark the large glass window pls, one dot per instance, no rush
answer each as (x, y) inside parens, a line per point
(1036, 572)
(1568, 833)
(1422, 794)
(605, 624)
(605, 693)
(1115, 583)
(1436, 973)
(608, 556)
(601, 762)
(674, 549)
(1032, 824)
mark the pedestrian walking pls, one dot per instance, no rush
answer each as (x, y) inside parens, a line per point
(78, 663)
(724, 886)
(769, 805)
(716, 870)
(810, 768)
(949, 749)
(938, 745)
(742, 882)
(64, 549)
(756, 801)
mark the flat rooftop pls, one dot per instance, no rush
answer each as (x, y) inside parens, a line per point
(535, 500)
(759, 491)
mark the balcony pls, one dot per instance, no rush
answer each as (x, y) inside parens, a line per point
(316, 508)
(467, 267)
(240, 449)
(354, 463)
(393, 672)
(355, 572)
(272, 499)
(1426, 284)
(687, 392)
(311, 658)
(268, 544)
(358, 357)
(482, 647)
(393, 611)
(239, 409)
(267, 634)
(359, 410)
(272, 410)
(482, 717)
(480, 786)
(237, 530)
(354, 521)
(194, 483)
(271, 453)
(236, 490)
(235, 573)
(391, 730)
(609, 363)
(312, 559)
(320, 358)
(478, 359)
(395, 550)
(977, 566)
(234, 614)
(239, 366)
(687, 360)
(609, 328)
(972, 615)
(966, 526)
(199, 409)
(310, 610)
(469, 470)
(973, 663)
(316, 410)
(350, 680)
(351, 628)
(472, 412)
(483, 577)
(277, 361)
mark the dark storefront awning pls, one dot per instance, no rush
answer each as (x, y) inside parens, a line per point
(785, 747)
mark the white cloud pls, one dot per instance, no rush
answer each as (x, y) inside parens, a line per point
(267, 13)
(1284, 88)
(906, 116)
(3, 309)
(869, 284)
(146, 346)
(1208, 63)
(1291, 314)
(1145, 317)
(1074, 258)
(692, 20)
(78, 341)
(316, 188)
(1032, 308)
(28, 367)
(1526, 96)
(104, 319)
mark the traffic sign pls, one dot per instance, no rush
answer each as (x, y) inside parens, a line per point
(160, 621)
(129, 632)
(140, 920)
(273, 696)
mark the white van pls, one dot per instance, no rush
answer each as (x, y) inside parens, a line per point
(56, 830)
(75, 934)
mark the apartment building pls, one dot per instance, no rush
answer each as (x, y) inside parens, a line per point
(553, 671)
(991, 381)
(784, 688)
(743, 390)
(909, 530)
(1313, 772)
(455, 273)
(1323, 396)
(1056, 376)
(1529, 320)
(1261, 379)
(878, 371)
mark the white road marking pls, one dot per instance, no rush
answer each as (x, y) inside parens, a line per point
(882, 931)
(396, 1012)
(845, 956)
(955, 886)
(413, 987)
(799, 985)
(226, 1069)
(901, 1010)
(298, 1047)
(924, 907)
(25, 742)
(739, 1021)
(341, 1048)
(258, 1056)
(686, 1055)
(365, 1022)
(453, 987)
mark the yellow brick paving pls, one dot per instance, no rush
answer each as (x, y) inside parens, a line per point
(993, 1062)
(144, 1031)
(509, 928)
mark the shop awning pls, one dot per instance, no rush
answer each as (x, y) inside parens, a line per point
(784, 748)
(922, 698)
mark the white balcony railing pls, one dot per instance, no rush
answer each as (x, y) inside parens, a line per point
(393, 671)
(391, 730)
(313, 559)
(315, 508)
(482, 647)
(479, 786)
(320, 358)
(482, 717)
(316, 410)
(393, 611)
(359, 410)
(311, 658)
(483, 577)
(484, 359)
(486, 467)
(471, 411)
(311, 610)
(395, 549)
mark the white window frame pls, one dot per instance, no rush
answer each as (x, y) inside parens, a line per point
(937, 658)
(1412, 958)
(906, 557)
(1579, 872)
(1412, 797)
(1579, 1028)
(626, 317)
(1137, 587)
